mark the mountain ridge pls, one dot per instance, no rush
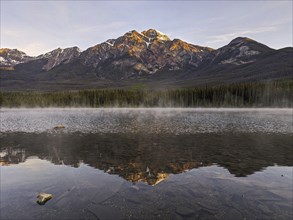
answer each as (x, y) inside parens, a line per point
(148, 56)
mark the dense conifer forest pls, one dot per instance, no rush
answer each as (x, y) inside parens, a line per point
(269, 94)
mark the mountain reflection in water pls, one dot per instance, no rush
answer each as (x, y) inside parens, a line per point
(150, 158)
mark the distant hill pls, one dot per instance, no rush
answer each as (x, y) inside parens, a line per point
(149, 58)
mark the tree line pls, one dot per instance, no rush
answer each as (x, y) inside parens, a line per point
(270, 94)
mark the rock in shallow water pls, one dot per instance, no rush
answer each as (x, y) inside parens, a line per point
(59, 127)
(43, 198)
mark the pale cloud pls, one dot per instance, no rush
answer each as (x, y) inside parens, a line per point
(9, 33)
(20, 39)
(214, 19)
(228, 37)
(100, 27)
(33, 49)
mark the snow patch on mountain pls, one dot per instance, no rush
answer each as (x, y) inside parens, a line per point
(110, 42)
(236, 61)
(2, 59)
(245, 51)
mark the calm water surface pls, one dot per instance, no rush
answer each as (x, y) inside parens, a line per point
(146, 163)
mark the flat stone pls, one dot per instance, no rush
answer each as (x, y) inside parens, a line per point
(43, 198)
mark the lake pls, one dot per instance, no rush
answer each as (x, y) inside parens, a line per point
(146, 163)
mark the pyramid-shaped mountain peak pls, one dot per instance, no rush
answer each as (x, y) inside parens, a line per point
(152, 33)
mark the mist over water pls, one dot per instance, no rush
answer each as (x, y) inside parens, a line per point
(147, 120)
(146, 163)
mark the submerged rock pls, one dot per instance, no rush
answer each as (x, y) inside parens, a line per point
(43, 198)
(59, 127)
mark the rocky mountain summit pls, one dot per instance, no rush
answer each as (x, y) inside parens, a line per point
(149, 55)
(137, 53)
(59, 56)
(239, 51)
(12, 57)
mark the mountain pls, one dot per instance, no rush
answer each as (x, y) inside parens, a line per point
(12, 57)
(150, 57)
(135, 54)
(59, 56)
(239, 51)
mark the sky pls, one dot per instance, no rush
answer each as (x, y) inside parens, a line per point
(37, 27)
